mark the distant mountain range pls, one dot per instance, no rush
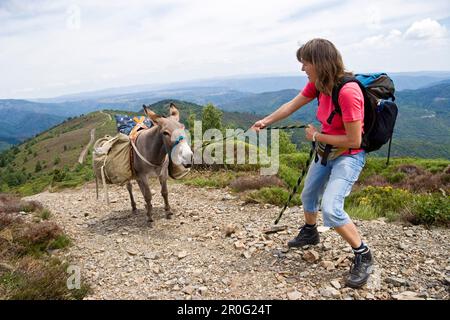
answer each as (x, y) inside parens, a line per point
(245, 84)
(422, 129)
(16, 125)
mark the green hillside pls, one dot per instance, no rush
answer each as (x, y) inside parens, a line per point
(51, 158)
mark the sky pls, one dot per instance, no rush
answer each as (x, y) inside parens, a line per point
(51, 48)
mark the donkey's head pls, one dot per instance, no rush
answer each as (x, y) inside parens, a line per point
(174, 136)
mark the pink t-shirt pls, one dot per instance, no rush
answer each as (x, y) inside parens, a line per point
(351, 101)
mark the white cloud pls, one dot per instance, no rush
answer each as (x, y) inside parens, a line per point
(138, 42)
(374, 17)
(426, 29)
(381, 40)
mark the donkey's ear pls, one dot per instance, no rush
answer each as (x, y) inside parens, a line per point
(174, 112)
(155, 118)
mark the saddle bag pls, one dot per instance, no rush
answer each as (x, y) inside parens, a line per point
(111, 161)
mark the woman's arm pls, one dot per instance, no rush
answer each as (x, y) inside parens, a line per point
(352, 138)
(282, 112)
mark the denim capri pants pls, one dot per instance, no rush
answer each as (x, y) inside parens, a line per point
(332, 183)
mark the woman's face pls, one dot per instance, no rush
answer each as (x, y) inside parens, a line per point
(309, 70)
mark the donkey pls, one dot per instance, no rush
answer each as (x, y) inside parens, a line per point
(156, 152)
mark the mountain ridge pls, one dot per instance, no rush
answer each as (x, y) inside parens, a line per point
(422, 128)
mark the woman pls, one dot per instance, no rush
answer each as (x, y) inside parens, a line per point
(332, 179)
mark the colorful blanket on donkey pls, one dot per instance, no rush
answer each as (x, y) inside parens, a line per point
(125, 124)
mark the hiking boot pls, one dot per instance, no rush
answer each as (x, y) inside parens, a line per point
(304, 237)
(360, 270)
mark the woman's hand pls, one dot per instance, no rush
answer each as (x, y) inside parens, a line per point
(258, 125)
(309, 132)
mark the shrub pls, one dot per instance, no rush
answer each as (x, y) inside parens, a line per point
(45, 214)
(396, 177)
(273, 195)
(255, 182)
(10, 203)
(285, 143)
(30, 206)
(61, 241)
(432, 209)
(376, 181)
(41, 232)
(36, 238)
(291, 166)
(44, 279)
(13, 178)
(363, 212)
(7, 219)
(410, 169)
(58, 175)
(215, 179)
(427, 182)
(386, 201)
(27, 271)
(207, 182)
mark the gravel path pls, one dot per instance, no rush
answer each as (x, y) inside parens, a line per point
(85, 150)
(215, 247)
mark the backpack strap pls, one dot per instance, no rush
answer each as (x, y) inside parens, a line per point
(335, 96)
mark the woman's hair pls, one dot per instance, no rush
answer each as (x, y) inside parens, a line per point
(327, 61)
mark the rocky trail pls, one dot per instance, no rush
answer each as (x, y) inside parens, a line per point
(83, 153)
(218, 247)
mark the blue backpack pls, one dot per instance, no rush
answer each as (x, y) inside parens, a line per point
(126, 123)
(380, 110)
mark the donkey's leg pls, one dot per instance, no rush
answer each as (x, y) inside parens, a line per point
(145, 189)
(165, 194)
(130, 191)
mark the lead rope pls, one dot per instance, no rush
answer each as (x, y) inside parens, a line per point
(235, 136)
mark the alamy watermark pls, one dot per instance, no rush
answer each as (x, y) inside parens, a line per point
(73, 20)
(74, 279)
(235, 146)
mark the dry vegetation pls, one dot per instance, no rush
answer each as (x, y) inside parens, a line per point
(29, 268)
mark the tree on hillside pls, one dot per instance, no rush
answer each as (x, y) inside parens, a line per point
(190, 123)
(38, 167)
(211, 118)
(286, 145)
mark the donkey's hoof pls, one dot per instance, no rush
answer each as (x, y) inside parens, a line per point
(169, 214)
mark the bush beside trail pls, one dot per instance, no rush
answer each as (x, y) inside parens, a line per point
(29, 242)
(410, 190)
